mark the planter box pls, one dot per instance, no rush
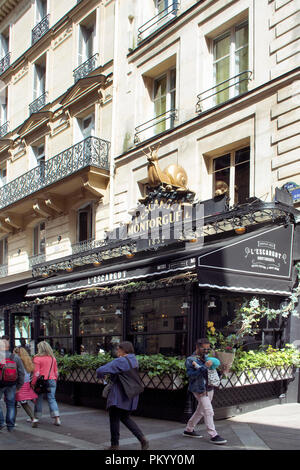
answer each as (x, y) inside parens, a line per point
(165, 382)
(257, 376)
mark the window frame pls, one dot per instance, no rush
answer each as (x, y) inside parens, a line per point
(89, 208)
(4, 251)
(36, 239)
(170, 96)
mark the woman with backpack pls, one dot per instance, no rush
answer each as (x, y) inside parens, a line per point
(118, 403)
(26, 394)
(46, 365)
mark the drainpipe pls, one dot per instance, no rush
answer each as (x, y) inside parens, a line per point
(114, 118)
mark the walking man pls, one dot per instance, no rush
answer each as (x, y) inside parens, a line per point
(11, 380)
(196, 367)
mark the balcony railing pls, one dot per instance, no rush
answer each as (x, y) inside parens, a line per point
(38, 103)
(86, 245)
(5, 63)
(40, 29)
(155, 126)
(91, 151)
(4, 129)
(3, 270)
(158, 21)
(86, 68)
(220, 93)
(37, 259)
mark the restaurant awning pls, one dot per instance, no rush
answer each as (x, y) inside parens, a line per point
(260, 262)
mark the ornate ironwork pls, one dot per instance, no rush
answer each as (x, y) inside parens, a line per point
(38, 103)
(91, 151)
(37, 259)
(86, 68)
(5, 63)
(3, 270)
(40, 29)
(158, 21)
(170, 116)
(4, 129)
(86, 245)
(213, 91)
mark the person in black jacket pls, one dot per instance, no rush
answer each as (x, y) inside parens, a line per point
(8, 389)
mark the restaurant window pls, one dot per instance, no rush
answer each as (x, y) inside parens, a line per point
(222, 309)
(158, 324)
(56, 327)
(230, 59)
(231, 175)
(100, 325)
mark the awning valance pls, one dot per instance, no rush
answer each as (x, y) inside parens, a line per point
(255, 263)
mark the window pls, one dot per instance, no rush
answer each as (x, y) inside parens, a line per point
(85, 223)
(85, 127)
(3, 175)
(230, 58)
(100, 323)
(164, 99)
(38, 154)
(231, 175)
(39, 80)
(87, 36)
(4, 43)
(56, 327)
(41, 10)
(163, 7)
(158, 325)
(4, 251)
(39, 239)
(3, 108)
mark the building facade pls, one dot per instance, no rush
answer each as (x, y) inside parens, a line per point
(95, 96)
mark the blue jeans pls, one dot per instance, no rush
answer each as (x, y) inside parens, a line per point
(9, 394)
(38, 407)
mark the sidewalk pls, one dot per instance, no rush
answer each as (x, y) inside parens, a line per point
(271, 428)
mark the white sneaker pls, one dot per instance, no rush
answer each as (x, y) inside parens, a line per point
(57, 421)
(29, 420)
(34, 423)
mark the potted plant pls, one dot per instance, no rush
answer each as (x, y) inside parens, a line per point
(223, 346)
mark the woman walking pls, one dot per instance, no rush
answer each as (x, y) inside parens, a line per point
(46, 365)
(26, 394)
(118, 404)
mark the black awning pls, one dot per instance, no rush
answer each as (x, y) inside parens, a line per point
(13, 292)
(256, 263)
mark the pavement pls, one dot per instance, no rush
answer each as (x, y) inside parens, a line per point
(87, 429)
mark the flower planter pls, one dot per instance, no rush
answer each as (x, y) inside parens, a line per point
(226, 359)
(256, 376)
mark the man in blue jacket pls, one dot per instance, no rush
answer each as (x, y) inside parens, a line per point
(197, 366)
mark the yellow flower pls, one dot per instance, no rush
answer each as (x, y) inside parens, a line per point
(213, 330)
(210, 324)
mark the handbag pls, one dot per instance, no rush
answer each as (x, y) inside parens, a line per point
(131, 381)
(213, 378)
(41, 385)
(106, 390)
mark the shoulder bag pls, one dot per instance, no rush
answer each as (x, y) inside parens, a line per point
(41, 385)
(213, 378)
(131, 381)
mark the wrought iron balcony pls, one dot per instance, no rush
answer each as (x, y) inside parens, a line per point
(5, 63)
(37, 259)
(220, 93)
(155, 126)
(4, 129)
(158, 21)
(89, 152)
(38, 103)
(86, 68)
(86, 245)
(3, 270)
(40, 29)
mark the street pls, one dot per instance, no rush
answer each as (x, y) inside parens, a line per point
(272, 428)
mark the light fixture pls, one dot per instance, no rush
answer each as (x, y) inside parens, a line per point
(59, 238)
(19, 251)
(185, 305)
(45, 274)
(97, 261)
(69, 268)
(240, 230)
(211, 303)
(118, 312)
(129, 254)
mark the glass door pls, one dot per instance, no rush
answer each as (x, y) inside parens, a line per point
(23, 331)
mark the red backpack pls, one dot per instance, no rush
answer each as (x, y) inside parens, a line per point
(8, 371)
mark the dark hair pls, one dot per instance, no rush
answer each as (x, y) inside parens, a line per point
(127, 347)
(5, 337)
(202, 341)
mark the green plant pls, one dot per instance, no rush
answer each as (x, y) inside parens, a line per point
(270, 357)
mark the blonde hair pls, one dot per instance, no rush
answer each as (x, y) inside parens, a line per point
(25, 358)
(44, 349)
